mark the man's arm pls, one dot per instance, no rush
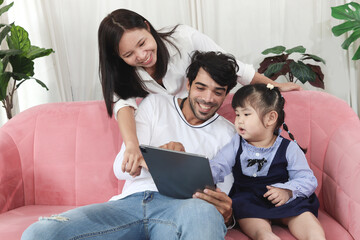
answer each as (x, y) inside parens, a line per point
(220, 200)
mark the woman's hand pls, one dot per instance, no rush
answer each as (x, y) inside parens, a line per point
(288, 86)
(133, 160)
(277, 196)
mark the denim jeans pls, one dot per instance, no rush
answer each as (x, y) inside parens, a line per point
(145, 215)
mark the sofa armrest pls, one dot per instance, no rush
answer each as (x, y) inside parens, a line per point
(11, 184)
(341, 175)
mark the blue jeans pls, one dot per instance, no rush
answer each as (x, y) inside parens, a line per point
(145, 215)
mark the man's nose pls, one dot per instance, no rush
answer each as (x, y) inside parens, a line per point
(208, 96)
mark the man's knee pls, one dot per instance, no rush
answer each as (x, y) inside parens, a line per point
(45, 228)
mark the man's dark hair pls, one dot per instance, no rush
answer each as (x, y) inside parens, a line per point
(220, 66)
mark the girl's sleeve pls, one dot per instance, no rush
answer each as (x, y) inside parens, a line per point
(221, 165)
(302, 181)
(202, 42)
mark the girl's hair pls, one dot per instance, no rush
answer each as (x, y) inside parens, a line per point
(263, 99)
(117, 77)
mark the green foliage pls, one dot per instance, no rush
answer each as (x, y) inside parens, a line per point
(20, 55)
(282, 65)
(349, 12)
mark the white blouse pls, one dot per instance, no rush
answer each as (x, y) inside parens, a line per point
(187, 40)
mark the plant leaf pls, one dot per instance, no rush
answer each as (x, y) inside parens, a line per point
(319, 80)
(302, 72)
(345, 27)
(42, 84)
(22, 65)
(274, 50)
(19, 76)
(273, 69)
(5, 8)
(299, 49)
(357, 54)
(271, 60)
(9, 52)
(313, 57)
(36, 52)
(4, 32)
(353, 37)
(345, 12)
(19, 39)
(4, 81)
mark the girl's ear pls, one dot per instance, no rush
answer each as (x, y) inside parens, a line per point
(271, 118)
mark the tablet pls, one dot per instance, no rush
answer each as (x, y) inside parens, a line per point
(177, 174)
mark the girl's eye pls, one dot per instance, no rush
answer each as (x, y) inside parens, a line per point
(142, 43)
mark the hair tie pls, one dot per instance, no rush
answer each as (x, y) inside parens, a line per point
(270, 86)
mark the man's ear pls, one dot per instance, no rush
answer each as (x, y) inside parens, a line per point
(188, 85)
(271, 118)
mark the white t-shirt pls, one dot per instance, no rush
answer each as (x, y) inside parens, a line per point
(159, 120)
(187, 40)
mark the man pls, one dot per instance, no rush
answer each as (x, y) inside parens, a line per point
(140, 212)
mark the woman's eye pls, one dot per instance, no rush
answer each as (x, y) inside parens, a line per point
(142, 43)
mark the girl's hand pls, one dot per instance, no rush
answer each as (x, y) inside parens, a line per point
(278, 196)
(133, 160)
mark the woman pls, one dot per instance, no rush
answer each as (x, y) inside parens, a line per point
(136, 60)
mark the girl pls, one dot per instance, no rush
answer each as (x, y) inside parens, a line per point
(136, 60)
(273, 181)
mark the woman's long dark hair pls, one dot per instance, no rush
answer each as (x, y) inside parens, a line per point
(117, 77)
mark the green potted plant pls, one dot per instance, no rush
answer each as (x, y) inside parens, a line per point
(350, 12)
(281, 64)
(17, 61)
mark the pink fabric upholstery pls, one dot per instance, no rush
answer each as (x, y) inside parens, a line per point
(55, 157)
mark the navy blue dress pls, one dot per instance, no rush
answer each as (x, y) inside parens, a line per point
(247, 192)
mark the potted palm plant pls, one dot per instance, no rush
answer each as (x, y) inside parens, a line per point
(350, 13)
(282, 63)
(17, 61)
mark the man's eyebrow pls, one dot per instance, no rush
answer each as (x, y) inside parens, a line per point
(217, 88)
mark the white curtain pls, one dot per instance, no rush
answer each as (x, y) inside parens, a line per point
(242, 27)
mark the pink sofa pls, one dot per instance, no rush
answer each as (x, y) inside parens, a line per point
(55, 157)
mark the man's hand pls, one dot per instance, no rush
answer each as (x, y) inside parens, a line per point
(220, 200)
(133, 160)
(278, 196)
(176, 146)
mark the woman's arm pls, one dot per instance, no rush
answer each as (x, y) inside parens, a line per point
(132, 158)
(284, 87)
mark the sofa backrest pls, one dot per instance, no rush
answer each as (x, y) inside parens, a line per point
(65, 152)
